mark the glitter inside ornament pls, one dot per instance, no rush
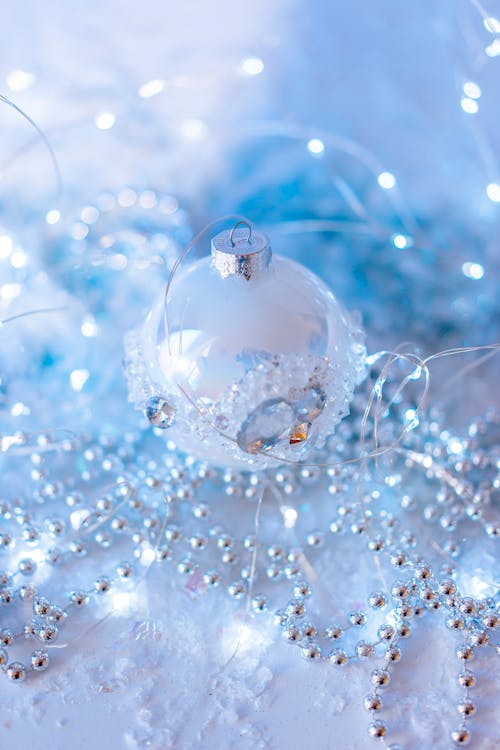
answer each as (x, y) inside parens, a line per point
(251, 352)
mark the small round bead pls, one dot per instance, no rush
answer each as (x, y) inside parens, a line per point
(275, 552)
(466, 708)
(3, 656)
(377, 600)
(185, 567)
(376, 544)
(6, 596)
(380, 677)
(466, 679)
(422, 573)
(125, 570)
(373, 702)
(236, 590)
(460, 736)
(308, 630)
(16, 671)
(464, 652)
(333, 632)
(479, 638)
(47, 633)
(301, 589)
(41, 607)
(78, 598)
(404, 630)
(197, 541)
(398, 559)
(364, 649)
(357, 618)
(259, 603)
(386, 632)
(6, 637)
(163, 552)
(102, 585)
(427, 593)
(447, 587)
(296, 609)
(393, 653)
(292, 634)
(467, 606)
(26, 591)
(39, 660)
(311, 652)
(338, 657)
(490, 620)
(454, 622)
(377, 729)
(57, 614)
(211, 578)
(27, 566)
(399, 590)
(404, 611)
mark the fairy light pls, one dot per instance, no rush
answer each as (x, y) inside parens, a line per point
(315, 146)
(104, 120)
(52, 216)
(493, 192)
(151, 88)
(472, 90)
(493, 49)
(18, 259)
(492, 25)
(194, 128)
(10, 291)
(19, 80)
(290, 516)
(252, 66)
(78, 378)
(386, 180)
(470, 106)
(5, 246)
(401, 241)
(473, 270)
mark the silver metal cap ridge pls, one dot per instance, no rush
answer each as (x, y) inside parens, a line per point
(241, 251)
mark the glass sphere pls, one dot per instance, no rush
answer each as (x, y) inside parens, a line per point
(246, 364)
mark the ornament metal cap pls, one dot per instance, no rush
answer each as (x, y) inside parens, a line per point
(241, 251)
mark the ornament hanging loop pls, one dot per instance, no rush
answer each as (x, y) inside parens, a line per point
(242, 223)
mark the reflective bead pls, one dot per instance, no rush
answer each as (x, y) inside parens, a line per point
(372, 702)
(338, 657)
(16, 671)
(377, 729)
(39, 660)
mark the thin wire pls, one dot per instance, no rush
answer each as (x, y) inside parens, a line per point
(42, 135)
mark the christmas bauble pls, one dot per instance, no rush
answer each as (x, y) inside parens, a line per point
(248, 360)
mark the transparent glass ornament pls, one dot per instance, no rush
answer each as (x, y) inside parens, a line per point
(248, 360)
